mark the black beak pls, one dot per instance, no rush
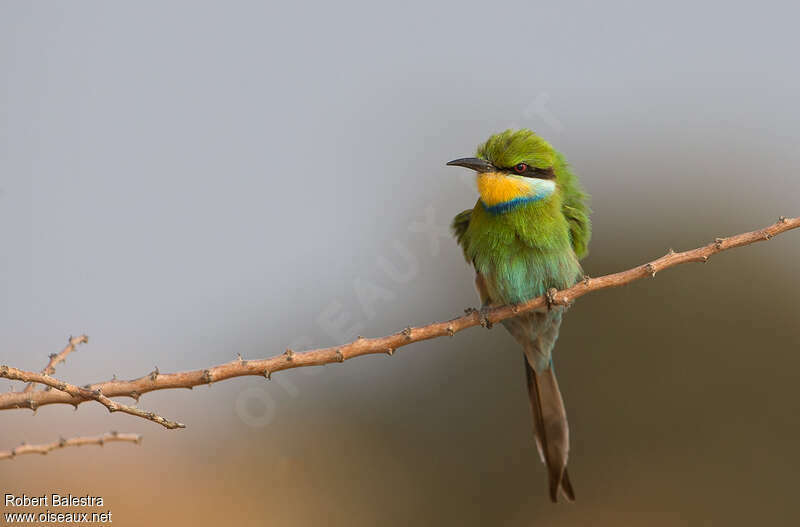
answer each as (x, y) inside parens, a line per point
(473, 163)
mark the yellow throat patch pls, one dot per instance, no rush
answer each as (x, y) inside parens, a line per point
(496, 188)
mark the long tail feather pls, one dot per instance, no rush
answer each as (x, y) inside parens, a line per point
(550, 428)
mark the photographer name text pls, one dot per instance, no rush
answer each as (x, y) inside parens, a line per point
(53, 500)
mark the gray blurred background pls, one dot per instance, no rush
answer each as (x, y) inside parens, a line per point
(185, 181)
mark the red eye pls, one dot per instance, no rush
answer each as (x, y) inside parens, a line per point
(520, 168)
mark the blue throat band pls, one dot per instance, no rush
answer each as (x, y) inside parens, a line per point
(510, 205)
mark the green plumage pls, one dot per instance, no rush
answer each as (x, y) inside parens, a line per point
(521, 253)
(535, 246)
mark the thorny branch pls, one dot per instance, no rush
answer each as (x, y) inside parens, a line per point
(95, 393)
(109, 437)
(57, 358)
(67, 394)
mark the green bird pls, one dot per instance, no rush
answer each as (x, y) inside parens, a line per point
(525, 236)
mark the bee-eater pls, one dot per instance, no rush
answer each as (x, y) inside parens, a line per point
(525, 236)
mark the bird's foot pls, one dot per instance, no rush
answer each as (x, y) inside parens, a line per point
(484, 316)
(550, 298)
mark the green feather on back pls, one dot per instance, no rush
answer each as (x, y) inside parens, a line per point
(575, 207)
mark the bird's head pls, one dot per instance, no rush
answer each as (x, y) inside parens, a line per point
(513, 167)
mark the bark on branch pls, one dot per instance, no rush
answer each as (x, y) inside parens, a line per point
(94, 393)
(57, 358)
(100, 440)
(362, 346)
